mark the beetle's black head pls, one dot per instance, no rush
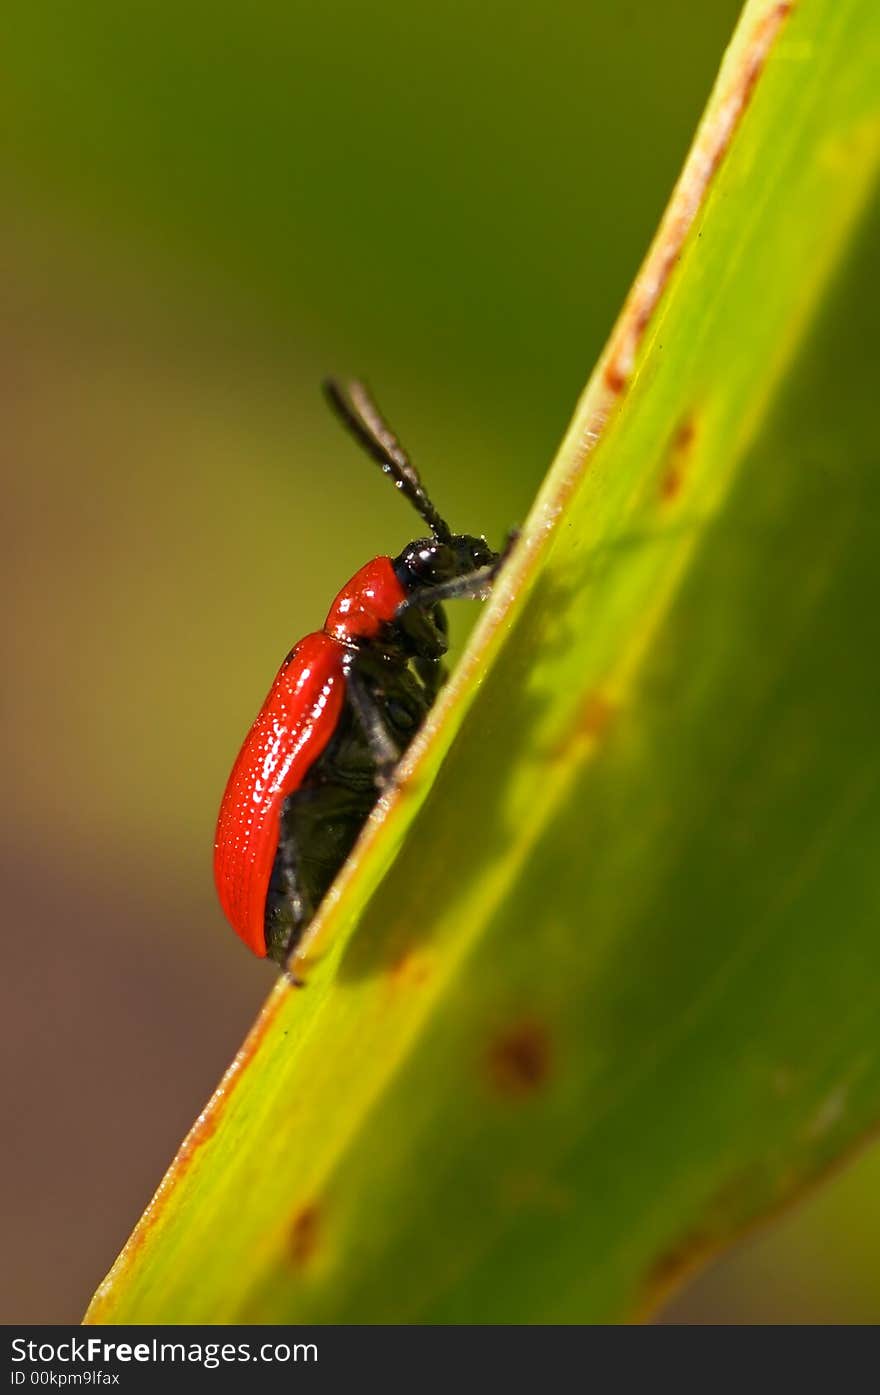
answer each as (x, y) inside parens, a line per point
(433, 561)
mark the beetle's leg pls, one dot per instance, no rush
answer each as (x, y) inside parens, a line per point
(293, 979)
(299, 902)
(301, 909)
(510, 543)
(287, 952)
(382, 746)
(427, 632)
(433, 673)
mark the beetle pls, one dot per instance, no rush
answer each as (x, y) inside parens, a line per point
(343, 708)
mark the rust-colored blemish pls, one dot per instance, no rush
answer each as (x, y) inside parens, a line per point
(595, 715)
(615, 378)
(677, 458)
(520, 1059)
(673, 1268)
(590, 723)
(686, 434)
(305, 1234)
(703, 162)
(408, 968)
(723, 1215)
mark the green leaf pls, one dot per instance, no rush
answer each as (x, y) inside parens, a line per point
(600, 985)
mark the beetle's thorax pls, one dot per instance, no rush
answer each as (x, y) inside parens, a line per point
(367, 603)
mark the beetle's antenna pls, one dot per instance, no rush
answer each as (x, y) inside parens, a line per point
(359, 414)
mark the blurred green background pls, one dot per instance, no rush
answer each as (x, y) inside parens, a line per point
(207, 208)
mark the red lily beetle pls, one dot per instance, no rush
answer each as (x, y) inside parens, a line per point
(344, 706)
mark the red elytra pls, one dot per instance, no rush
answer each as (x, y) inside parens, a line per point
(291, 730)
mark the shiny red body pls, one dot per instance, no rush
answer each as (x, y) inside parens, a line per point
(293, 727)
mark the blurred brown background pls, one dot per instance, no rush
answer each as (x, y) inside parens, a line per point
(207, 208)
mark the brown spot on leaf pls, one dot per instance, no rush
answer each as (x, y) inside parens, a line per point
(520, 1059)
(670, 1271)
(305, 1235)
(677, 459)
(595, 715)
(615, 378)
(591, 721)
(408, 968)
